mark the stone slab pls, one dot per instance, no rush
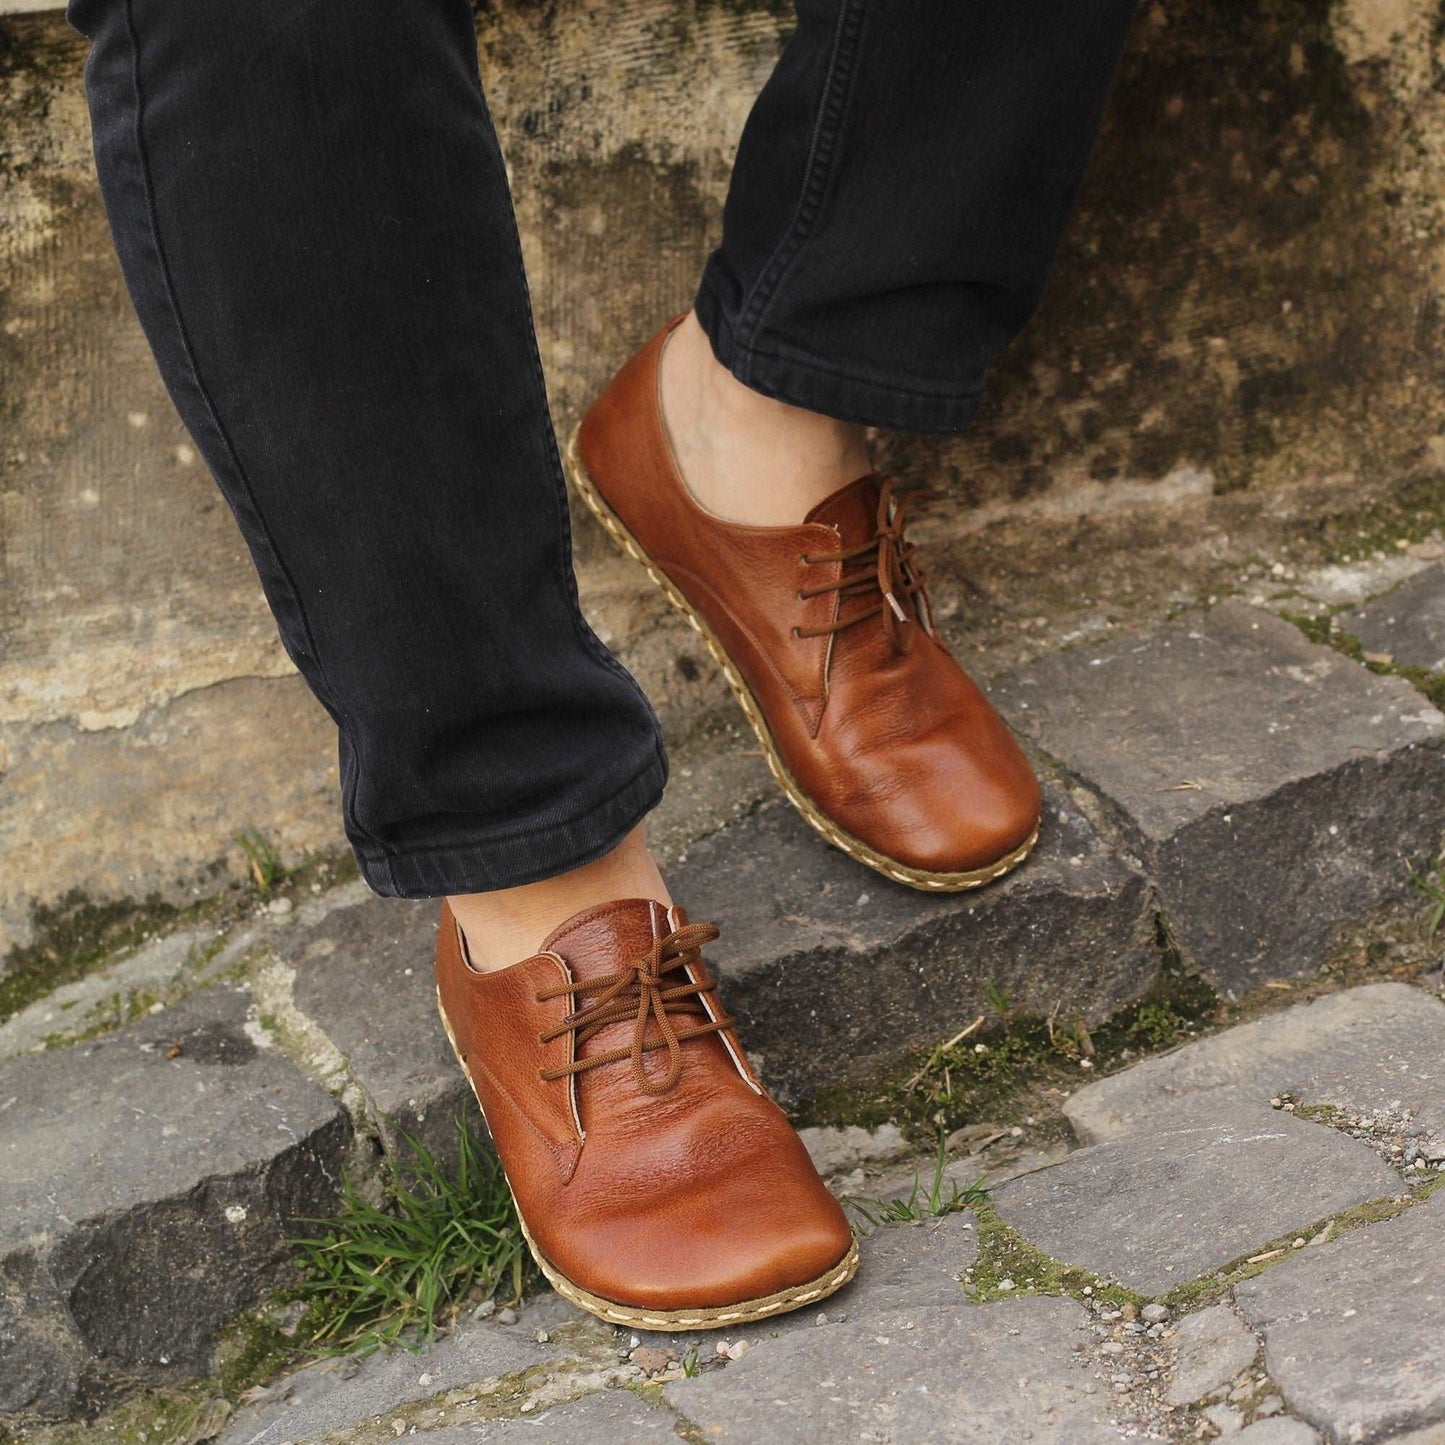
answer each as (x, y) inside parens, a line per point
(836, 1148)
(340, 1394)
(833, 970)
(145, 1199)
(1274, 788)
(1407, 623)
(1279, 1431)
(1156, 1210)
(1354, 1330)
(939, 1373)
(601, 1419)
(1368, 1049)
(903, 1266)
(365, 977)
(1211, 1348)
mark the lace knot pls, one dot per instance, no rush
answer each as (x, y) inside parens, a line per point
(643, 992)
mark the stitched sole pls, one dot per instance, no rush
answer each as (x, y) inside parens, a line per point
(696, 1319)
(613, 525)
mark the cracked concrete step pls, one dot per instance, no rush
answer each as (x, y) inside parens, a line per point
(1375, 1050)
(1274, 789)
(1354, 1330)
(1156, 1210)
(148, 1181)
(1406, 624)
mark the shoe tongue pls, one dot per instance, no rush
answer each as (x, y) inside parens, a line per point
(600, 940)
(853, 511)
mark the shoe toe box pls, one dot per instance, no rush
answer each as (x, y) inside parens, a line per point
(741, 1219)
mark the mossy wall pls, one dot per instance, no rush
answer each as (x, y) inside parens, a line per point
(1249, 299)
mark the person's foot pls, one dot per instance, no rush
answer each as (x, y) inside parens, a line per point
(508, 924)
(822, 627)
(657, 1184)
(746, 457)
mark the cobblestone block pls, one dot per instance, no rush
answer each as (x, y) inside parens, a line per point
(1406, 624)
(148, 1182)
(1354, 1330)
(1273, 788)
(1373, 1050)
(1159, 1209)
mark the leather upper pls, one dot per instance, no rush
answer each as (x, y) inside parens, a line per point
(696, 1196)
(876, 721)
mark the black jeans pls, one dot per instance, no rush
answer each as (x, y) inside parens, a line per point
(312, 215)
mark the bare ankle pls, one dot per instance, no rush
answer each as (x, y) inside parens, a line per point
(748, 457)
(506, 926)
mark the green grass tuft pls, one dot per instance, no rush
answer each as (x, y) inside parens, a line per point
(267, 870)
(942, 1196)
(1429, 883)
(379, 1274)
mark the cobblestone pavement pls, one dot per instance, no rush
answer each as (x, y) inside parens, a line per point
(1239, 1237)
(1245, 1264)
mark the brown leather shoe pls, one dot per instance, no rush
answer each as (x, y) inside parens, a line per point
(657, 1184)
(823, 630)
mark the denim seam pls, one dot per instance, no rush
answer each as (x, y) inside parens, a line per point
(837, 88)
(812, 363)
(163, 266)
(565, 575)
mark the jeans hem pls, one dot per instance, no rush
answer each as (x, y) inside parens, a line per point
(822, 387)
(486, 865)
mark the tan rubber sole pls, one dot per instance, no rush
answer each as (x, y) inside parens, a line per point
(695, 1319)
(617, 530)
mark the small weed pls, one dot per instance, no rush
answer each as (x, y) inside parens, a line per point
(943, 1196)
(1319, 630)
(1155, 1026)
(1429, 883)
(691, 1364)
(377, 1273)
(997, 999)
(267, 870)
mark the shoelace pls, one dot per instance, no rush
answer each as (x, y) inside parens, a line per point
(640, 991)
(887, 568)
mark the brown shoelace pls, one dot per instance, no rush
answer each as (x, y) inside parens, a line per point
(887, 569)
(640, 991)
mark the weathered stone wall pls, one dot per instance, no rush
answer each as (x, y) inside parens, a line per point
(1249, 300)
